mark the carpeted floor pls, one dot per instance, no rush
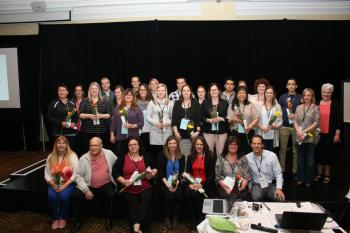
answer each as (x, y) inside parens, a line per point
(27, 222)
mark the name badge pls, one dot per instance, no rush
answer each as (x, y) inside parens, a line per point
(134, 176)
(184, 123)
(263, 182)
(124, 130)
(240, 129)
(215, 126)
(198, 180)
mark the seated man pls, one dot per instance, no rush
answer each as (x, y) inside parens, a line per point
(267, 179)
(94, 180)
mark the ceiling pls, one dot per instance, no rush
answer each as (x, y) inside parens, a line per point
(14, 11)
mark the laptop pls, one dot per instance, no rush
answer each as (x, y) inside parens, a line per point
(215, 206)
(301, 220)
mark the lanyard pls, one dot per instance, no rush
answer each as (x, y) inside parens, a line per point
(268, 111)
(304, 115)
(186, 108)
(136, 163)
(161, 109)
(173, 165)
(257, 163)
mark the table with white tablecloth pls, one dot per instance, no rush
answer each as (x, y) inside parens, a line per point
(265, 215)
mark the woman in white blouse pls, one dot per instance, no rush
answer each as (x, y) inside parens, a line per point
(270, 119)
(59, 174)
(158, 115)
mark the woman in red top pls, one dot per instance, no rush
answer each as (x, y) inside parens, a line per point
(330, 126)
(201, 165)
(134, 171)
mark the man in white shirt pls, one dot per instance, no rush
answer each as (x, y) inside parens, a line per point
(267, 178)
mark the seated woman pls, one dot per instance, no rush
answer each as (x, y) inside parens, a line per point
(59, 174)
(171, 165)
(134, 170)
(231, 166)
(201, 165)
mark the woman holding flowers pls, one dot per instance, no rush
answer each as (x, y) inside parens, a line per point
(134, 171)
(144, 96)
(158, 115)
(214, 120)
(270, 119)
(186, 119)
(307, 119)
(95, 113)
(62, 116)
(171, 165)
(59, 174)
(126, 122)
(201, 166)
(243, 117)
(232, 169)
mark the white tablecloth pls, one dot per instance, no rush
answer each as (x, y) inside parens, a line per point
(267, 217)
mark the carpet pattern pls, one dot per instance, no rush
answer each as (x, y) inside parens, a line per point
(27, 222)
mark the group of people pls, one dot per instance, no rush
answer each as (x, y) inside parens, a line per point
(186, 147)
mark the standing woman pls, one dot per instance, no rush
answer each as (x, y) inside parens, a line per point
(61, 159)
(77, 99)
(214, 120)
(186, 119)
(201, 93)
(270, 120)
(118, 93)
(306, 121)
(231, 164)
(330, 125)
(171, 164)
(95, 113)
(243, 117)
(62, 116)
(158, 115)
(201, 165)
(143, 98)
(138, 194)
(126, 122)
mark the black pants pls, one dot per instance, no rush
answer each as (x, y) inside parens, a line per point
(233, 196)
(155, 151)
(138, 206)
(171, 201)
(106, 193)
(145, 142)
(194, 201)
(120, 147)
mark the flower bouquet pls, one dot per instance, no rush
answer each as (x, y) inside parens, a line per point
(308, 135)
(137, 177)
(274, 117)
(95, 112)
(160, 118)
(243, 125)
(124, 115)
(61, 173)
(174, 180)
(190, 127)
(214, 114)
(189, 178)
(69, 117)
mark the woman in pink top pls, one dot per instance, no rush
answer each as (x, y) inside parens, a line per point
(330, 125)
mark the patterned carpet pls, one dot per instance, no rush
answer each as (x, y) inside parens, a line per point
(27, 222)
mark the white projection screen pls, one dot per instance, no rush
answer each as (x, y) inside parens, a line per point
(9, 84)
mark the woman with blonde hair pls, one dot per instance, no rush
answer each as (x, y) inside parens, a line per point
(95, 113)
(158, 114)
(59, 173)
(307, 119)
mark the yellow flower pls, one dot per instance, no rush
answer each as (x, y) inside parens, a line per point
(309, 135)
(190, 126)
(277, 114)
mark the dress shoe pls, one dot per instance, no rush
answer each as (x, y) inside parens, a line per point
(76, 226)
(62, 223)
(55, 224)
(108, 224)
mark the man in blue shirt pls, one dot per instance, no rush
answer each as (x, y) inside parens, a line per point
(267, 178)
(288, 102)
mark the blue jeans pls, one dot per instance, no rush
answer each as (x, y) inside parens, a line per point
(59, 202)
(306, 162)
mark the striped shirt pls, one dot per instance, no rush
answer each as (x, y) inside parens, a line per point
(103, 107)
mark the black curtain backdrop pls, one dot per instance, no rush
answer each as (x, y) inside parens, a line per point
(314, 52)
(12, 121)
